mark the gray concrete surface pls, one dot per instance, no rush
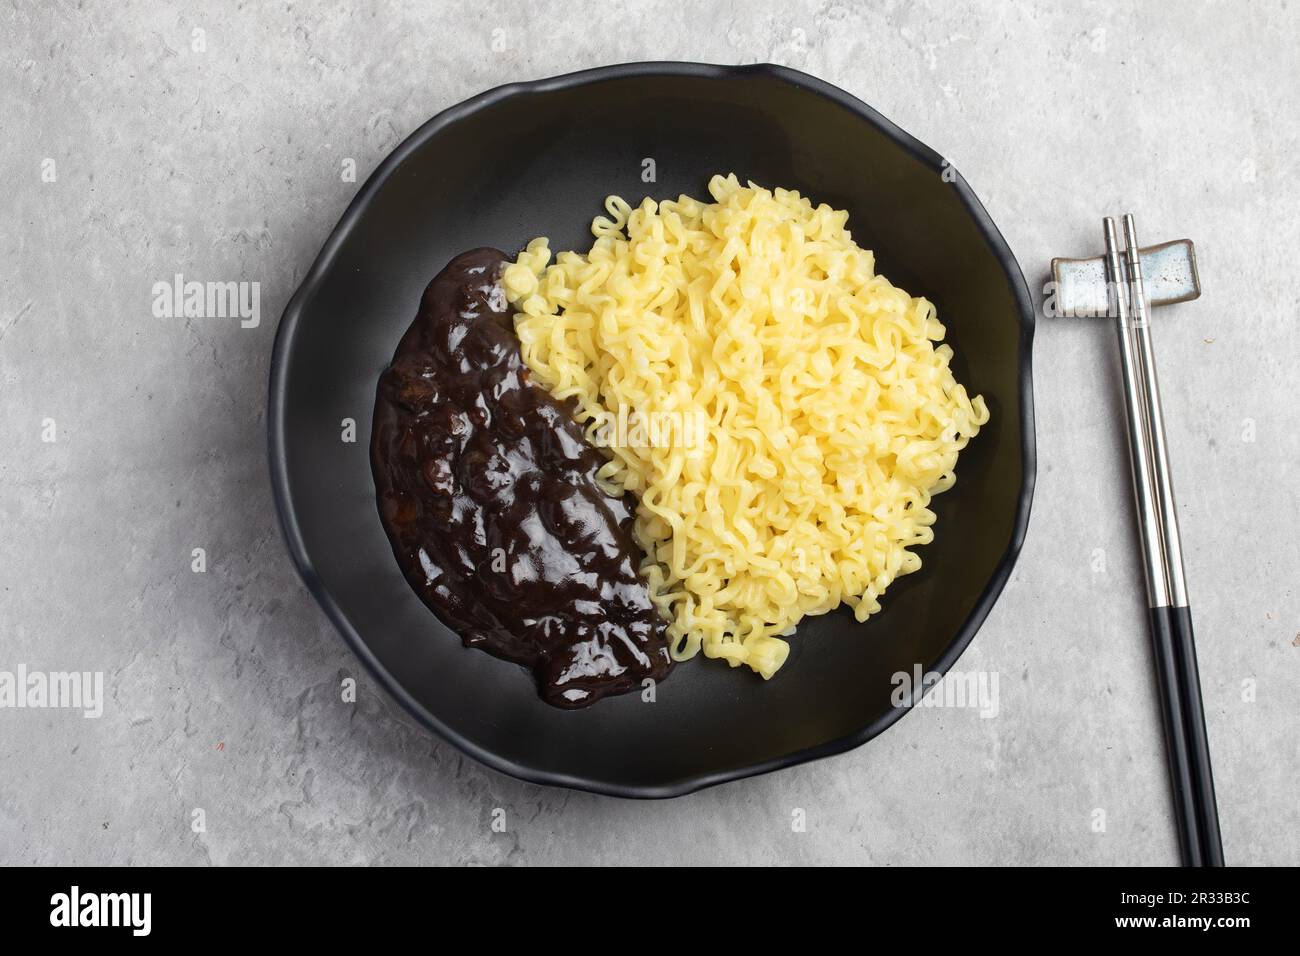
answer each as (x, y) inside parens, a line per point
(130, 151)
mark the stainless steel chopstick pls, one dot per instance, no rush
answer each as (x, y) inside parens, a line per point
(1171, 617)
(1153, 560)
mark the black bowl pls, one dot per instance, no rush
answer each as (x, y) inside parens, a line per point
(539, 158)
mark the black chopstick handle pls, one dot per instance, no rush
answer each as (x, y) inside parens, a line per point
(1198, 744)
(1169, 678)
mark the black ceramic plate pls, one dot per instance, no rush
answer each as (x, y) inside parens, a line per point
(539, 158)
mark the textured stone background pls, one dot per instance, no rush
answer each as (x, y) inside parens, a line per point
(225, 163)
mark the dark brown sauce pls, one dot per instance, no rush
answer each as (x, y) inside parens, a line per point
(487, 489)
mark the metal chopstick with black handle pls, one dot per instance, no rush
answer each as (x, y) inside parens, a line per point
(1153, 562)
(1171, 619)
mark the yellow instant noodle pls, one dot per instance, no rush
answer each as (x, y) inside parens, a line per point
(828, 412)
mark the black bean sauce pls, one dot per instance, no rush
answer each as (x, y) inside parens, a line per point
(487, 489)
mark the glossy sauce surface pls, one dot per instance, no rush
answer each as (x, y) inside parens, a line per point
(486, 487)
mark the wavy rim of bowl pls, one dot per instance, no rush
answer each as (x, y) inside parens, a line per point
(305, 292)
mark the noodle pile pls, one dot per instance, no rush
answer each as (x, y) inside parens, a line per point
(829, 415)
